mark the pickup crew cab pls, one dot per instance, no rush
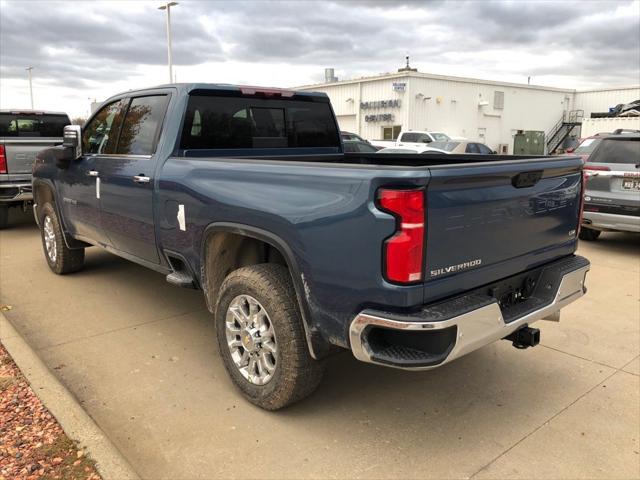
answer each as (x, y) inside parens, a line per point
(409, 261)
(23, 133)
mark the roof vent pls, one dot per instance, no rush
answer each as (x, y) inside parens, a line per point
(407, 68)
(329, 76)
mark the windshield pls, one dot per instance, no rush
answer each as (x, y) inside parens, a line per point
(448, 146)
(587, 146)
(440, 137)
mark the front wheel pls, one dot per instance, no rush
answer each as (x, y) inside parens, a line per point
(261, 337)
(588, 234)
(60, 258)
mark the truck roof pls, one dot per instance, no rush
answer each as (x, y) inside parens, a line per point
(187, 88)
(24, 111)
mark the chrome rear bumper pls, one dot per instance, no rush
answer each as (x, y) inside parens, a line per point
(15, 192)
(467, 328)
(611, 221)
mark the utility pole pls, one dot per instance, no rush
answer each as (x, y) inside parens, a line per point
(167, 6)
(28, 69)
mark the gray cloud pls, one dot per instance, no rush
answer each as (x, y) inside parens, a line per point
(74, 44)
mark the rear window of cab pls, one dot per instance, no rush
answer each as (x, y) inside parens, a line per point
(227, 122)
(32, 125)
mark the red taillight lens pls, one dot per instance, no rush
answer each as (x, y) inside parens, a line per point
(597, 167)
(403, 252)
(583, 190)
(3, 160)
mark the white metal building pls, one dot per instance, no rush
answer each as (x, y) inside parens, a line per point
(482, 110)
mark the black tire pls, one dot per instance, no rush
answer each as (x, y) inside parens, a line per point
(4, 216)
(60, 258)
(588, 234)
(296, 373)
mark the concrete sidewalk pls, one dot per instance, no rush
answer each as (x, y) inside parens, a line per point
(64, 407)
(142, 358)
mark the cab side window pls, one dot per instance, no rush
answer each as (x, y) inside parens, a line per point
(472, 148)
(141, 125)
(484, 149)
(101, 133)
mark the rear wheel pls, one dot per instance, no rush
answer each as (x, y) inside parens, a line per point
(261, 338)
(589, 234)
(4, 216)
(60, 258)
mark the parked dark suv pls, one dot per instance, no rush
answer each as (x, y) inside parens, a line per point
(612, 196)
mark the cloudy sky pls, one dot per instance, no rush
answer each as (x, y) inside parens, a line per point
(85, 50)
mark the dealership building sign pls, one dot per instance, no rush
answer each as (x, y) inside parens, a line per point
(381, 117)
(380, 104)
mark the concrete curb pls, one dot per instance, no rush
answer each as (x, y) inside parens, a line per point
(77, 424)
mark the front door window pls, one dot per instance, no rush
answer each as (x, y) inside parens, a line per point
(101, 133)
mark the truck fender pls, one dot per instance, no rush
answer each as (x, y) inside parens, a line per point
(318, 346)
(69, 241)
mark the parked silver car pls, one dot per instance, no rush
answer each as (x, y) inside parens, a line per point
(612, 196)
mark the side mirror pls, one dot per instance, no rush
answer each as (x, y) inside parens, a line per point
(494, 152)
(72, 140)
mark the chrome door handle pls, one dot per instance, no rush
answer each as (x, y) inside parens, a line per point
(92, 173)
(141, 179)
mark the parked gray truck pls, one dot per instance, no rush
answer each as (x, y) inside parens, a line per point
(408, 261)
(23, 133)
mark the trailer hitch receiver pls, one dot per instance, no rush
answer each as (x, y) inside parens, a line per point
(524, 337)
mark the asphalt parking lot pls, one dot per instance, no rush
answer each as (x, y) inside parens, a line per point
(141, 357)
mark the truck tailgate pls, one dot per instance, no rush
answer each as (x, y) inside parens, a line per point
(486, 221)
(21, 152)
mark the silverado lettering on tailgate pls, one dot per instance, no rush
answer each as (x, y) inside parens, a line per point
(456, 268)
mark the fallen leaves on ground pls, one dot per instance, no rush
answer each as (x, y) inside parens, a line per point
(32, 443)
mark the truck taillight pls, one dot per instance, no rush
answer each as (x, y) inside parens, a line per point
(3, 160)
(583, 192)
(403, 253)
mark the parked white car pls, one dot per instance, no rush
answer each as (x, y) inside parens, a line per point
(461, 147)
(411, 149)
(412, 138)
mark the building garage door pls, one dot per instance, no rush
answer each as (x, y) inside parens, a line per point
(347, 123)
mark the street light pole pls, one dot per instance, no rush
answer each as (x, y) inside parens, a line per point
(167, 6)
(28, 69)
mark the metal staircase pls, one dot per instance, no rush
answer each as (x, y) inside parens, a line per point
(569, 122)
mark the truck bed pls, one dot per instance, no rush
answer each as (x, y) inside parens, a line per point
(390, 159)
(324, 205)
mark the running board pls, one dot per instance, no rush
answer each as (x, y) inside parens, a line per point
(181, 279)
(181, 276)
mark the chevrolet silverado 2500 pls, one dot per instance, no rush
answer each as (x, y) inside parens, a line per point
(409, 261)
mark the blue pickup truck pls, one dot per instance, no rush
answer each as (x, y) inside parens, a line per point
(302, 250)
